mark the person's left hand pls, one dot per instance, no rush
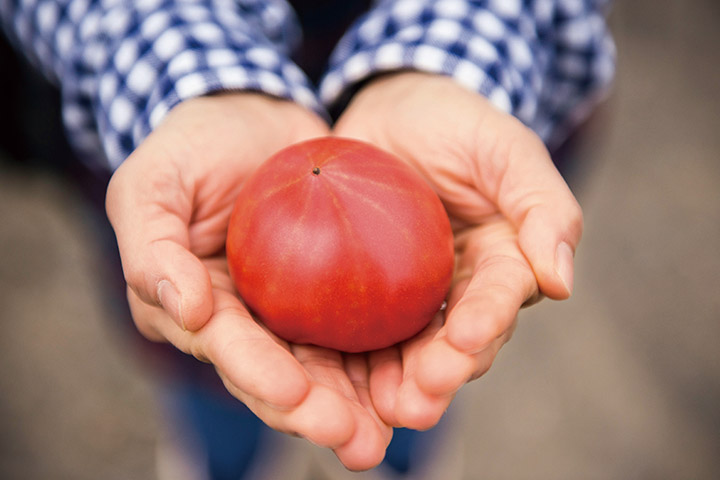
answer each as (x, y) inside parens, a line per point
(516, 227)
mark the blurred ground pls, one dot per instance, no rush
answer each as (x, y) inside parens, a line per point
(620, 382)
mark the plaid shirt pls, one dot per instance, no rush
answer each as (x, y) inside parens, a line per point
(122, 65)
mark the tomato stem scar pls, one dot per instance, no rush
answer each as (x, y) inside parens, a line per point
(316, 171)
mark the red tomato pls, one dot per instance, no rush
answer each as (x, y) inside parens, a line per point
(336, 243)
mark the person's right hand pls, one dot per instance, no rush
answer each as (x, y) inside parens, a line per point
(169, 204)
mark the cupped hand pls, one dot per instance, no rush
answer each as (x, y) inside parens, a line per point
(516, 226)
(169, 204)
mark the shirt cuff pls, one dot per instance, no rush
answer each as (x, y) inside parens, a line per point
(464, 40)
(132, 67)
(505, 50)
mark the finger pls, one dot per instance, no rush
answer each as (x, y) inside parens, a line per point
(152, 235)
(325, 366)
(493, 281)
(549, 243)
(348, 375)
(403, 410)
(386, 376)
(358, 372)
(328, 417)
(442, 370)
(417, 410)
(366, 448)
(534, 196)
(261, 374)
(252, 361)
(273, 384)
(146, 317)
(323, 417)
(389, 368)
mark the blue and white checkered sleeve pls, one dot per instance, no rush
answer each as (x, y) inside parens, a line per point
(123, 65)
(543, 61)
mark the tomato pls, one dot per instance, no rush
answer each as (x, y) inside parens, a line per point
(337, 243)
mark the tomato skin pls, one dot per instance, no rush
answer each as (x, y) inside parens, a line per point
(336, 243)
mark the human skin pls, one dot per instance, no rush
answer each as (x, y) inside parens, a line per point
(169, 204)
(516, 226)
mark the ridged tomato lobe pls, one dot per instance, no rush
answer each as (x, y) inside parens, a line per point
(336, 243)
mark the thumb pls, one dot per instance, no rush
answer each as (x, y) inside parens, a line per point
(535, 197)
(548, 237)
(153, 239)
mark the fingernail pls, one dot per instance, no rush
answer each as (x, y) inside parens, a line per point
(170, 300)
(564, 265)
